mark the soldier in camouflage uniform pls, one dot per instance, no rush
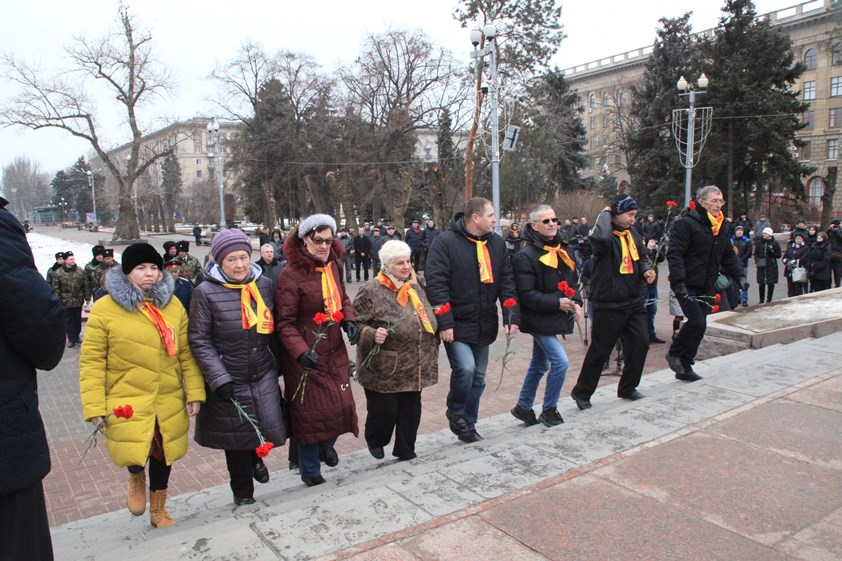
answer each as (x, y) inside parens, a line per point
(192, 269)
(57, 265)
(70, 284)
(98, 252)
(98, 271)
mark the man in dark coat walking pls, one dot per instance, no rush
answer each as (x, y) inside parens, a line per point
(362, 253)
(547, 310)
(32, 324)
(621, 271)
(700, 244)
(415, 241)
(467, 268)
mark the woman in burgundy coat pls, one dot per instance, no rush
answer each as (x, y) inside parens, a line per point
(318, 386)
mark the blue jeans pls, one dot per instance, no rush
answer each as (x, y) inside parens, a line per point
(651, 300)
(308, 457)
(744, 293)
(547, 354)
(467, 379)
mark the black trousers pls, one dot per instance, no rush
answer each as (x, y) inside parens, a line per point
(159, 473)
(415, 258)
(686, 343)
(241, 470)
(24, 527)
(836, 267)
(73, 323)
(608, 326)
(361, 264)
(393, 412)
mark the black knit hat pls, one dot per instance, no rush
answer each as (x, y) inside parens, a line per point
(168, 245)
(138, 253)
(184, 246)
(60, 254)
(621, 204)
(97, 250)
(108, 252)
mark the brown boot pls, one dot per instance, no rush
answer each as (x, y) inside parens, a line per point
(136, 501)
(158, 515)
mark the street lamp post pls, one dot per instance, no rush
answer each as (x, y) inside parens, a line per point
(689, 153)
(93, 194)
(214, 141)
(490, 32)
(63, 212)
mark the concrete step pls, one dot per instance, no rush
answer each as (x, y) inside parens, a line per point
(365, 498)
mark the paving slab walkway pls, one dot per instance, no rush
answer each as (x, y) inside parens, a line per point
(745, 464)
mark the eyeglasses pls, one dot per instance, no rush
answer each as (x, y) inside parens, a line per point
(548, 220)
(318, 241)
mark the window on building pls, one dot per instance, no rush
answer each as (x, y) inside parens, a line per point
(197, 136)
(605, 140)
(198, 173)
(593, 101)
(198, 161)
(810, 59)
(837, 53)
(815, 191)
(211, 173)
(593, 122)
(804, 152)
(606, 101)
(620, 99)
(198, 149)
(809, 119)
(834, 120)
(606, 120)
(809, 90)
(618, 160)
(836, 86)
(833, 149)
(594, 142)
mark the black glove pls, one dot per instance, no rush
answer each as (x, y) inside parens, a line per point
(351, 330)
(225, 392)
(743, 283)
(307, 360)
(680, 290)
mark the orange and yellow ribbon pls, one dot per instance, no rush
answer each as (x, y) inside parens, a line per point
(330, 292)
(716, 222)
(486, 275)
(262, 318)
(165, 330)
(550, 259)
(629, 251)
(405, 294)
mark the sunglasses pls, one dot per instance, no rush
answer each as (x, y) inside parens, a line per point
(318, 241)
(548, 220)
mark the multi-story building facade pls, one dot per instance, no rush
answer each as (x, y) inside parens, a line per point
(814, 27)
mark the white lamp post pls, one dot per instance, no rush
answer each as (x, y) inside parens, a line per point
(688, 153)
(490, 32)
(214, 141)
(93, 193)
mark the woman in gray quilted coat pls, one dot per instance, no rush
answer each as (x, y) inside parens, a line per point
(394, 313)
(231, 334)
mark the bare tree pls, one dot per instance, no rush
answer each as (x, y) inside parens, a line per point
(26, 186)
(124, 61)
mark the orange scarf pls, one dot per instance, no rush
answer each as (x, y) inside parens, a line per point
(330, 292)
(165, 330)
(550, 259)
(629, 249)
(407, 293)
(263, 318)
(486, 275)
(716, 222)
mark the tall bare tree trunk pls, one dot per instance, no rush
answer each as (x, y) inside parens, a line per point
(827, 197)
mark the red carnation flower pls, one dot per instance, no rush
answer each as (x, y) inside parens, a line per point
(123, 411)
(672, 204)
(443, 309)
(714, 309)
(563, 286)
(337, 316)
(264, 449)
(509, 303)
(717, 298)
(569, 292)
(320, 318)
(692, 205)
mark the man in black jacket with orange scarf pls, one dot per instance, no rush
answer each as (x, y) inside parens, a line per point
(700, 244)
(621, 271)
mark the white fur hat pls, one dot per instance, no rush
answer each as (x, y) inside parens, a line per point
(768, 231)
(315, 222)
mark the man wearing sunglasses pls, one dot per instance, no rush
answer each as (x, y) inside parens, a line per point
(546, 311)
(621, 271)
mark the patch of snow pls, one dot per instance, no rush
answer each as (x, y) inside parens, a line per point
(817, 307)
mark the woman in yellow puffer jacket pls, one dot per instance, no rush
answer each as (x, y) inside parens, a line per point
(136, 353)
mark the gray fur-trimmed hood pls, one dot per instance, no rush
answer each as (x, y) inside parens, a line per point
(130, 298)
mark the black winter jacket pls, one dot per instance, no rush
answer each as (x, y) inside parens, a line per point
(415, 239)
(31, 336)
(452, 275)
(744, 249)
(228, 353)
(609, 288)
(818, 267)
(537, 286)
(695, 255)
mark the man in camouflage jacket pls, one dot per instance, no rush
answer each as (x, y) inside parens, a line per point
(192, 269)
(98, 252)
(70, 284)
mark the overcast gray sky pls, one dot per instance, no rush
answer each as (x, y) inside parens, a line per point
(193, 36)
